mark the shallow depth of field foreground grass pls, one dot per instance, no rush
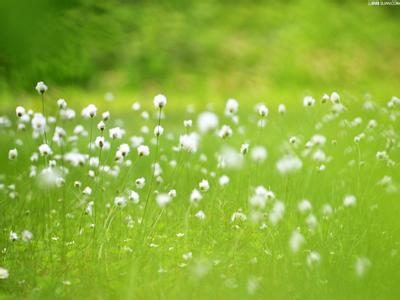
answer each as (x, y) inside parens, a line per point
(295, 201)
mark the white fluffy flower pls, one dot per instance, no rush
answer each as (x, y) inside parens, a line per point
(262, 110)
(195, 196)
(319, 155)
(223, 180)
(101, 126)
(259, 153)
(143, 150)
(244, 148)
(136, 106)
(325, 98)
(124, 149)
(133, 196)
(349, 200)
(116, 133)
(207, 121)
(200, 215)
(136, 141)
(12, 154)
(257, 201)
(89, 208)
(289, 164)
(172, 193)
(189, 142)
(304, 206)
(187, 123)
(313, 258)
(204, 185)
(296, 241)
(232, 107)
(120, 201)
(20, 111)
(277, 212)
(281, 109)
(160, 101)
(105, 115)
(3, 273)
(362, 265)
(99, 141)
(38, 122)
(44, 150)
(140, 182)
(26, 235)
(163, 199)
(158, 130)
(41, 88)
(318, 139)
(311, 221)
(238, 216)
(89, 111)
(225, 131)
(67, 114)
(308, 101)
(87, 191)
(13, 236)
(335, 98)
(62, 104)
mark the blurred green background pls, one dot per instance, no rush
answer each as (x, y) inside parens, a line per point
(252, 50)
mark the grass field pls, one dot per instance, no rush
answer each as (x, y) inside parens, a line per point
(309, 210)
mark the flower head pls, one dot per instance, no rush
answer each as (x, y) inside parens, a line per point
(41, 88)
(20, 111)
(163, 199)
(308, 101)
(100, 141)
(12, 154)
(62, 104)
(143, 150)
(89, 111)
(44, 150)
(262, 110)
(232, 107)
(160, 101)
(158, 130)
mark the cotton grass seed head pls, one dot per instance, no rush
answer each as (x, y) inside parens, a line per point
(44, 150)
(349, 200)
(288, 164)
(62, 104)
(232, 107)
(20, 111)
(281, 109)
(204, 185)
(3, 273)
(105, 115)
(143, 150)
(41, 88)
(89, 111)
(140, 182)
(262, 110)
(244, 148)
(207, 122)
(296, 241)
(308, 101)
(259, 153)
(158, 130)
(195, 196)
(160, 101)
(163, 199)
(12, 154)
(189, 142)
(187, 123)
